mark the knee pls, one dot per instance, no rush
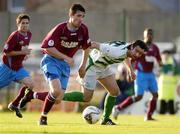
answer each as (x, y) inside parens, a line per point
(155, 96)
(87, 98)
(56, 93)
(115, 92)
(138, 98)
(30, 84)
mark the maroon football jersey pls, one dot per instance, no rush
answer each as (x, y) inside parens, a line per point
(146, 62)
(66, 41)
(15, 42)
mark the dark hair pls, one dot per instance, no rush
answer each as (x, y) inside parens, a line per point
(149, 30)
(76, 7)
(141, 44)
(22, 16)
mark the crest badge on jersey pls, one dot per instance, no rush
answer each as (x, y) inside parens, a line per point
(6, 46)
(51, 43)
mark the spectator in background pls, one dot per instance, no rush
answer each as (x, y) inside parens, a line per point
(167, 83)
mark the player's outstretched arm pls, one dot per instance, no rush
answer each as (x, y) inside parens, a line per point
(131, 74)
(82, 67)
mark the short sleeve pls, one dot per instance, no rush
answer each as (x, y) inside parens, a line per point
(158, 56)
(52, 38)
(86, 41)
(10, 43)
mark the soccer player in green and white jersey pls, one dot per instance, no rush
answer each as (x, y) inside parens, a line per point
(98, 69)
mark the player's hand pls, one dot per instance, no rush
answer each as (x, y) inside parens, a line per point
(82, 71)
(70, 61)
(94, 45)
(26, 51)
(131, 76)
(26, 57)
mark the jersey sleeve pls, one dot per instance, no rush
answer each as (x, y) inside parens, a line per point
(158, 56)
(52, 38)
(86, 41)
(10, 44)
(112, 51)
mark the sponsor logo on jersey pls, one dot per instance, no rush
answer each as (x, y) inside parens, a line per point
(72, 34)
(26, 38)
(51, 43)
(69, 44)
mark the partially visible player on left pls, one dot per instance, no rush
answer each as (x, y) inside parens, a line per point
(15, 51)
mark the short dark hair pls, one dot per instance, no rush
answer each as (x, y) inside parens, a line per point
(22, 16)
(149, 30)
(141, 44)
(76, 7)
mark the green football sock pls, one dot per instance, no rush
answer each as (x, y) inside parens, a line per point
(73, 96)
(108, 106)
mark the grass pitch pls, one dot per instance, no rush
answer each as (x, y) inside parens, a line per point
(72, 123)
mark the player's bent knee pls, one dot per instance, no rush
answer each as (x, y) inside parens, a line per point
(58, 100)
(56, 93)
(87, 99)
(115, 93)
(138, 98)
(30, 85)
(155, 96)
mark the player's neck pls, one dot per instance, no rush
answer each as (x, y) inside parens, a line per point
(22, 33)
(129, 53)
(149, 43)
(71, 27)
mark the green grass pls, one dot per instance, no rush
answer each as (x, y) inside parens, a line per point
(72, 123)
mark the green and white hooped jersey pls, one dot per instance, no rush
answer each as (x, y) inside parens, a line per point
(109, 53)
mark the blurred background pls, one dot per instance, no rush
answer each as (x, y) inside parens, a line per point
(107, 20)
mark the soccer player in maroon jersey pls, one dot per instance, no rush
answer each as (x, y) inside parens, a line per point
(145, 78)
(15, 51)
(59, 46)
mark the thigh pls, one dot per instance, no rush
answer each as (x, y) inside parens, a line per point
(109, 83)
(6, 75)
(153, 87)
(64, 81)
(50, 71)
(28, 82)
(55, 88)
(141, 84)
(90, 79)
(21, 74)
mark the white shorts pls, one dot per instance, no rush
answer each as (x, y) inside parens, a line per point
(93, 74)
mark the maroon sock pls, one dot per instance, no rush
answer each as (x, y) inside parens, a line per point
(41, 95)
(151, 107)
(128, 101)
(20, 95)
(48, 103)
